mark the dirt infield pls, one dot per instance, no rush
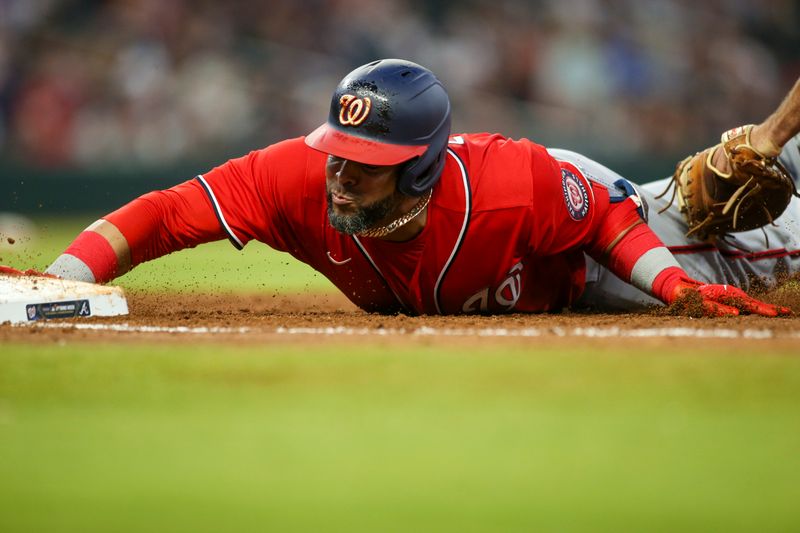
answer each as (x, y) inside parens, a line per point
(253, 318)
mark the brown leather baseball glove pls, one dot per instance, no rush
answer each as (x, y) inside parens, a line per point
(753, 192)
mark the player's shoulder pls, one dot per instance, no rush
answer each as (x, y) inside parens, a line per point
(288, 169)
(501, 166)
(495, 151)
(289, 163)
(473, 143)
(288, 152)
(496, 168)
(488, 142)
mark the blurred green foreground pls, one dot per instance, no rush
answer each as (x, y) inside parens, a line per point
(377, 437)
(380, 436)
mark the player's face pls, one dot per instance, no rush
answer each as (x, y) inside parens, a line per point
(361, 196)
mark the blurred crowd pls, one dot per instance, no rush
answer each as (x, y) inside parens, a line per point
(146, 82)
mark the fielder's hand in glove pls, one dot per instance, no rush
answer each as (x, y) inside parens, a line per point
(720, 300)
(737, 185)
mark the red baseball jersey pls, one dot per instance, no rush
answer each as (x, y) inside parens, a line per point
(506, 227)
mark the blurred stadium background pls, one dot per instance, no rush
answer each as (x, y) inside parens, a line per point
(103, 100)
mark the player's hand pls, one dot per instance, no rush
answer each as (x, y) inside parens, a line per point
(11, 271)
(725, 300)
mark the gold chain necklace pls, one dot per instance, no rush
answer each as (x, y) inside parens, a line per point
(398, 222)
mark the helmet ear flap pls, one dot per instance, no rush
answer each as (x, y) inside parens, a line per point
(422, 173)
(415, 178)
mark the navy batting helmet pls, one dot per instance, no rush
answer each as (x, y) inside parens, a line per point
(389, 112)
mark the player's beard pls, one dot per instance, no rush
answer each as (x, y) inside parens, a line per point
(364, 217)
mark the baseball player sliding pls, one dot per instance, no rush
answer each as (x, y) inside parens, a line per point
(402, 216)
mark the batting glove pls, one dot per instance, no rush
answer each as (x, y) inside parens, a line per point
(724, 300)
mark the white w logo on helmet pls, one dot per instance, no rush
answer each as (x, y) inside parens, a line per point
(354, 110)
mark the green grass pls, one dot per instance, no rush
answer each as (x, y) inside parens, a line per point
(381, 438)
(207, 268)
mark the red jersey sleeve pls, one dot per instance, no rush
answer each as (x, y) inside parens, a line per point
(162, 222)
(557, 204)
(251, 195)
(565, 206)
(243, 199)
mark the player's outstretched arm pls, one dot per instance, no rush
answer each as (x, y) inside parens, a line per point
(627, 246)
(767, 138)
(149, 227)
(99, 254)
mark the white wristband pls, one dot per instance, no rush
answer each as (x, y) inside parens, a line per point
(649, 266)
(68, 266)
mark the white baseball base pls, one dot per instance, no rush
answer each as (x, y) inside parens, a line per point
(28, 298)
